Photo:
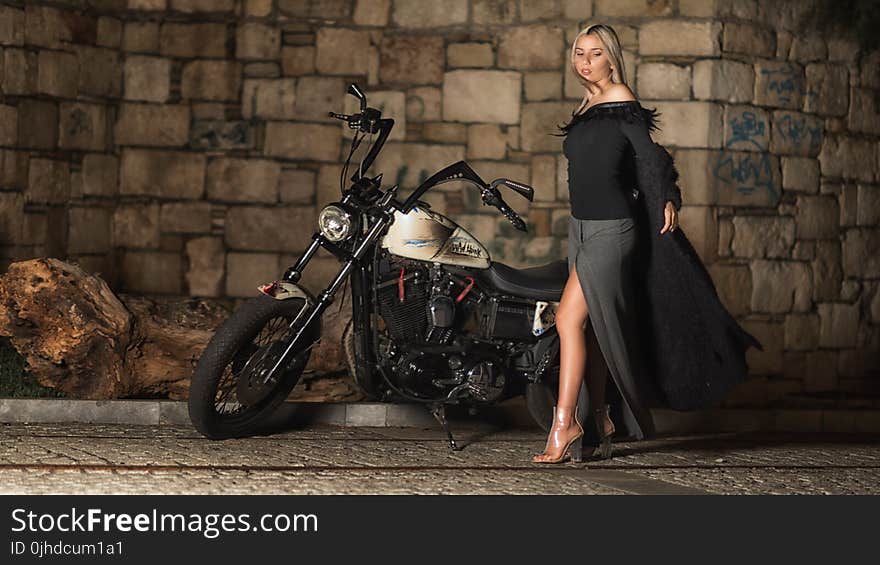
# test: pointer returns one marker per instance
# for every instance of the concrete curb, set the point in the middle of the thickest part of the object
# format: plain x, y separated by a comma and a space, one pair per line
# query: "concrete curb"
512, 412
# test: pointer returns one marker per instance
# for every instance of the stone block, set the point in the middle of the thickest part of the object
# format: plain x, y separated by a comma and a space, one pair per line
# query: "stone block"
746, 178
407, 163
371, 12
486, 141
12, 26
540, 86
8, 125
162, 174
141, 37
801, 332
444, 132
543, 178
494, 12
423, 104
46, 26
37, 124
100, 175
269, 98
482, 96
211, 80
19, 71
246, 271
795, 133
800, 174
88, 230
539, 124
779, 287
316, 142
193, 40
723, 80
270, 228
11, 213
734, 286
151, 272
147, 78
827, 270
48, 181
839, 325
411, 59
100, 72
200, 6
136, 226
206, 266
342, 51
109, 32
779, 84
748, 39
255, 40
677, 37
860, 257
315, 96
185, 217
763, 236
817, 217
297, 186
689, 124
417, 14
864, 111
746, 128
663, 81
633, 8
472, 54
841, 156
216, 134
82, 126
298, 60
152, 124
57, 74
13, 169
827, 89
243, 180
531, 47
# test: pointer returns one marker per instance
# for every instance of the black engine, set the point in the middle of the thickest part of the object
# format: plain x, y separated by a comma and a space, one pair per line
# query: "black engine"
448, 339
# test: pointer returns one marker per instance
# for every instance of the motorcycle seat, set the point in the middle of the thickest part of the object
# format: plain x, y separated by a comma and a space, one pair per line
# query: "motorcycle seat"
544, 282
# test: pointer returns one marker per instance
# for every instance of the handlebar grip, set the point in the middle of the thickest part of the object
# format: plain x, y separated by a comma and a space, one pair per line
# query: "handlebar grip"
524, 189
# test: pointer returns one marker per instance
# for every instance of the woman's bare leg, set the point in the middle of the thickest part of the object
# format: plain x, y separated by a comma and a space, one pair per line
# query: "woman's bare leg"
571, 316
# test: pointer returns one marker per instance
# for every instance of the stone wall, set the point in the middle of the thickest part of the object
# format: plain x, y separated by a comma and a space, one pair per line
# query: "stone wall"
182, 146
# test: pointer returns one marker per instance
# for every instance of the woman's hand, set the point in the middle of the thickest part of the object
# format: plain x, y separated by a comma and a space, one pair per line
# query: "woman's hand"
671, 215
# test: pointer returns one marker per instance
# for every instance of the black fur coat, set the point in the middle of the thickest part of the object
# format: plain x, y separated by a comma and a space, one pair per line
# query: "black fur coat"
694, 347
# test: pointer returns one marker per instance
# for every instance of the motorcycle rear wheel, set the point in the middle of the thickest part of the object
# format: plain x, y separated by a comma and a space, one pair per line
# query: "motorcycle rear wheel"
226, 398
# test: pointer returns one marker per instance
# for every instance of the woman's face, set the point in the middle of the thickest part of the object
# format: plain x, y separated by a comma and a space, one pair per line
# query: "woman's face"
590, 58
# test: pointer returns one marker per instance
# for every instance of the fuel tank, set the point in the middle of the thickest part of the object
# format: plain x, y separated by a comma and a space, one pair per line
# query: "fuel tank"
426, 235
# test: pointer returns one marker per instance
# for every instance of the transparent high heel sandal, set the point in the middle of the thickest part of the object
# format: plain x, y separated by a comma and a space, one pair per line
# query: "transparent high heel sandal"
574, 446
603, 450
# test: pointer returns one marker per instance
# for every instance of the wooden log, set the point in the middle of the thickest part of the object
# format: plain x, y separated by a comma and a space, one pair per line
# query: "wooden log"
78, 337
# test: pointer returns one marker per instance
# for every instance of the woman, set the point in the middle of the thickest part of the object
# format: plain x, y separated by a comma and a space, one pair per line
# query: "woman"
602, 245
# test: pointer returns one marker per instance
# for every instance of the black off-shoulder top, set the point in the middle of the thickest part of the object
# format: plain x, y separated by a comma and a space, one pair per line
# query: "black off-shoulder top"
600, 144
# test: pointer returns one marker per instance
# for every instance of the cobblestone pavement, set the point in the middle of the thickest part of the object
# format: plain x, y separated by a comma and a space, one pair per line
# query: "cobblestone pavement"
78, 459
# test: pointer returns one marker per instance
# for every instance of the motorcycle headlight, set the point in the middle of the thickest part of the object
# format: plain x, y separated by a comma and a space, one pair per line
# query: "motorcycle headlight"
335, 223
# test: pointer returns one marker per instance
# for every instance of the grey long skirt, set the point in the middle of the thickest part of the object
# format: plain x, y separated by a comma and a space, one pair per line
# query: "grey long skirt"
603, 252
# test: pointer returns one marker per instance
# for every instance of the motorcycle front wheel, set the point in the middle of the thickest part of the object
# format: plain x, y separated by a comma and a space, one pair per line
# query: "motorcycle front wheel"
228, 396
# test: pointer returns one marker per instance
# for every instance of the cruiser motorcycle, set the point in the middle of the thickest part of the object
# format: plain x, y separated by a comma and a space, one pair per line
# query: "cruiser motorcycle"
434, 320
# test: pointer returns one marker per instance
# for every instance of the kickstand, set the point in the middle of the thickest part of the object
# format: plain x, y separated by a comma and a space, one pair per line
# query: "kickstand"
439, 412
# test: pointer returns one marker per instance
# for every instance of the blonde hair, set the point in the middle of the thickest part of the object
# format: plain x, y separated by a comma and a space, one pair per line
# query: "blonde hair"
611, 42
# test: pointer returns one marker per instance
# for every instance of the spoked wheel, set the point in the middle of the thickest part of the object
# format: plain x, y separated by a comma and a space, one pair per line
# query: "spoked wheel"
229, 393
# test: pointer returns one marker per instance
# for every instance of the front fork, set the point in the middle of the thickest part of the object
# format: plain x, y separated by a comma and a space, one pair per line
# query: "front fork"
288, 287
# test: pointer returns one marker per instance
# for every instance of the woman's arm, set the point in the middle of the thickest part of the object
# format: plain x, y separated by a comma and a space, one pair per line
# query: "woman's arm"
644, 147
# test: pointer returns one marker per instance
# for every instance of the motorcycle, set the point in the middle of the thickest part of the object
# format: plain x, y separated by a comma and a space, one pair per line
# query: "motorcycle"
434, 320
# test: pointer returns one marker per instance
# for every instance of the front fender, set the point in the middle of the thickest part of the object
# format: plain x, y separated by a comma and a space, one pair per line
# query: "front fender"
284, 290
